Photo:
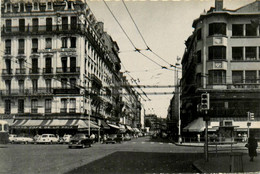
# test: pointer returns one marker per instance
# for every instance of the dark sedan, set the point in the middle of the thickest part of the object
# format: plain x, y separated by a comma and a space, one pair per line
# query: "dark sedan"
80, 140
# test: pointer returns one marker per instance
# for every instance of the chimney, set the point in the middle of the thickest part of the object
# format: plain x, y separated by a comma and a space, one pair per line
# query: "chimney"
219, 5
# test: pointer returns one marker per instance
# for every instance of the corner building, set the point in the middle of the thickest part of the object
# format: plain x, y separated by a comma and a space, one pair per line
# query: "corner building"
58, 67
222, 58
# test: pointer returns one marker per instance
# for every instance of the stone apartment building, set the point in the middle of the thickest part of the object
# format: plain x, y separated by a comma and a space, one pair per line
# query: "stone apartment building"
222, 58
58, 67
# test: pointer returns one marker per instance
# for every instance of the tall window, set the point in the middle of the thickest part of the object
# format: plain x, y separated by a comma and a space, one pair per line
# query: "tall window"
21, 7
8, 46
250, 77
237, 76
21, 46
8, 66
199, 56
8, 86
199, 34
8, 7
48, 106
73, 22
237, 53
49, 5
73, 64
64, 42
64, 83
217, 52
72, 105
35, 6
217, 29
64, 23
21, 86
251, 30
237, 30
7, 106
34, 45
8, 25
34, 106
48, 65
35, 85
20, 106
35, 23
72, 82
34, 66
73, 42
63, 108
64, 64
48, 24
21, 25
217, 77
198, 80
48, 43
250, 53
48, 85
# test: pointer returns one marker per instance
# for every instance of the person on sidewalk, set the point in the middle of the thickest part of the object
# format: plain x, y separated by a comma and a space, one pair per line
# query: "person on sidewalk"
252, 146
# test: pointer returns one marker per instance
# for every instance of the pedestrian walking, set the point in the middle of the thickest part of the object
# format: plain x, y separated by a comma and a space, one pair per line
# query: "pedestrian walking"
252, 146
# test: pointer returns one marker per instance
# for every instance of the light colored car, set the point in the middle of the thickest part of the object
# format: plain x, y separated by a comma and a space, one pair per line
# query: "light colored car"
48, 138
24, 140
12, 138
66, 138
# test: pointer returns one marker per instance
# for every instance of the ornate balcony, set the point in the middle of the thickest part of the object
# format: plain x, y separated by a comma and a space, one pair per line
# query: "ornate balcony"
20, 71
68, 70
34, 70
66, 91
27, 92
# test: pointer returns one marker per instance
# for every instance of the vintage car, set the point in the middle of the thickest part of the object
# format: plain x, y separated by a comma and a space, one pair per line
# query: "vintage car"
48, 138
80, 140
20, 139
115, 138
66, 138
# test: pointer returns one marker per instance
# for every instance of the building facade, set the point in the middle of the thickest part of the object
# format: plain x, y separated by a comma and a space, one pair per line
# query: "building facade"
222, 58
58, 64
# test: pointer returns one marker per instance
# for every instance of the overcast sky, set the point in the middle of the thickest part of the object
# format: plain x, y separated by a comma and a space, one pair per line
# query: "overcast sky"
165, 25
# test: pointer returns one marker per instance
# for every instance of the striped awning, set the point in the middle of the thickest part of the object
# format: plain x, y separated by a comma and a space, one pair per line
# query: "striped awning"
53, 124
113, 126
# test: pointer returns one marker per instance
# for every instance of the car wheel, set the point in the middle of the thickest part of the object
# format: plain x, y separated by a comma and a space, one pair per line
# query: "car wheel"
25, 142
50, 142
12, 142
90, 145
83, 146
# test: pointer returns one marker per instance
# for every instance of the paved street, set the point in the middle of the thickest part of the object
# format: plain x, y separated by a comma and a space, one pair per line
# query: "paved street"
139, 156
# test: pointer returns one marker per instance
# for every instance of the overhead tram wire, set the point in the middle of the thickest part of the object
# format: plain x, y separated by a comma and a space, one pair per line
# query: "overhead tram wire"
147, 47
135, 48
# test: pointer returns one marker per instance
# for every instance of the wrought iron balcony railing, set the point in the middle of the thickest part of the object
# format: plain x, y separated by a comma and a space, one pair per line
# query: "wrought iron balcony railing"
20, 71
68, 70
7, 71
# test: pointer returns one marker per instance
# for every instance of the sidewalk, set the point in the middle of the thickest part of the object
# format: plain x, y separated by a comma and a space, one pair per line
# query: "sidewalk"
221, 163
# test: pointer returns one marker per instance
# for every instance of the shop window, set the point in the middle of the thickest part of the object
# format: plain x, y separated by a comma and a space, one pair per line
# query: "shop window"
217, 77
250, 77
250, 53
217, 53
237, 30
237, 53
237, 77
251, 30
217, 29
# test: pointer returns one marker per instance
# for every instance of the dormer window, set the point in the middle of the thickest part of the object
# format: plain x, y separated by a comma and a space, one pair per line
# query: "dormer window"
8, 7
49, 6
21, 7
69, 5
36, 6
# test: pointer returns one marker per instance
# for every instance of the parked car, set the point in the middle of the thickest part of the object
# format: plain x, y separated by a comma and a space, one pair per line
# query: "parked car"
48, 138
66, 138
12, 138
22, 139
127, 138
80, 140
115, 138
